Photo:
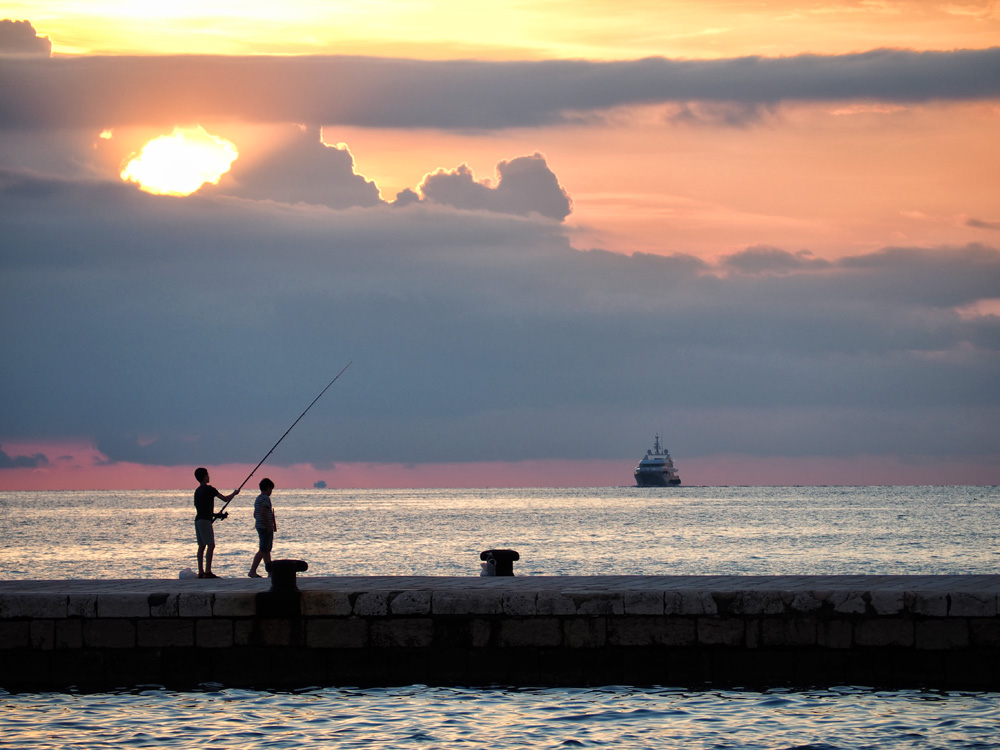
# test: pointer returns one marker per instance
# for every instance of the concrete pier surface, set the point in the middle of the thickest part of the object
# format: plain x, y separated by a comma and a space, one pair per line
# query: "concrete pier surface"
693, 631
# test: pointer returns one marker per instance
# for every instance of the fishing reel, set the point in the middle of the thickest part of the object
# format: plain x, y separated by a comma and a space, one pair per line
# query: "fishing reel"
221, 516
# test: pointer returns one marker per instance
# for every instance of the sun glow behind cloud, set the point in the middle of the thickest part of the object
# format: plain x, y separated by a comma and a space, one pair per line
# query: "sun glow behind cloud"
180, 163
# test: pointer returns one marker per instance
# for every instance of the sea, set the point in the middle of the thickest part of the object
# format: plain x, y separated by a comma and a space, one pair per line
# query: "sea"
581, 531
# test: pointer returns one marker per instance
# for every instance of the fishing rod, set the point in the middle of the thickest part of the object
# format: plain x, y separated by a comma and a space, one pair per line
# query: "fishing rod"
222, 514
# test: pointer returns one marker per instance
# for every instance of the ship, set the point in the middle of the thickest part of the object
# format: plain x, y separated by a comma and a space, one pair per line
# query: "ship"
656, 469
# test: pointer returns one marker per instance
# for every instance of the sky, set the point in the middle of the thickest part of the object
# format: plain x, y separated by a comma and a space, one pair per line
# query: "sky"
540, 234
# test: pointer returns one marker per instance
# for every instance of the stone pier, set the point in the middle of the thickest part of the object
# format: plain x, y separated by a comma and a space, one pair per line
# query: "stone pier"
691, 631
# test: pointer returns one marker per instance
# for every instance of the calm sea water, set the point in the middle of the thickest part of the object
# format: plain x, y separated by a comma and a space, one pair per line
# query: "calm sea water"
617, 530
622, 530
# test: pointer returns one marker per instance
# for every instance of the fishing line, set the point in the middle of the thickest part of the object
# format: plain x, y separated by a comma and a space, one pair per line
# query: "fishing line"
220, 515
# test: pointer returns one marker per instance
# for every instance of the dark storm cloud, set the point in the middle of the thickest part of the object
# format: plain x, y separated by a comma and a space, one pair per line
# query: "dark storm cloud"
188, 331
377, 92
20, 38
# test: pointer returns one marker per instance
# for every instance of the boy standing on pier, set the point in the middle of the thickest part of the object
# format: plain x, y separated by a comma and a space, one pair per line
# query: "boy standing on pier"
266, 525
204, 504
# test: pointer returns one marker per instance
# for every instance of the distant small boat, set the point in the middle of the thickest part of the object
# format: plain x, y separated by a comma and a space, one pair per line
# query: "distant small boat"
656, 469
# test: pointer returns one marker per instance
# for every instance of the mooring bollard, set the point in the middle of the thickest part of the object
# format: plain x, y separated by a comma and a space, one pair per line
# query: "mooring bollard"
283, 575
283, 599
502, 561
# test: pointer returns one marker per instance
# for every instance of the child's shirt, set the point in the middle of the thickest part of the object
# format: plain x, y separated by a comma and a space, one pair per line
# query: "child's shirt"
263, 514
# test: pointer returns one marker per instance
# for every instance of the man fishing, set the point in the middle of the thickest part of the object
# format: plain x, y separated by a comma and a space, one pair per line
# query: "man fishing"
204, 497
205, 515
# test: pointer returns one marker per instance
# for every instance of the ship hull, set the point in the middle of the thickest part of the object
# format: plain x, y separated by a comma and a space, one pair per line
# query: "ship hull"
656, 480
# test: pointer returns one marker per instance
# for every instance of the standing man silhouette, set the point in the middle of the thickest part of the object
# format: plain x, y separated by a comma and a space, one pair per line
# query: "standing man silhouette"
204, 503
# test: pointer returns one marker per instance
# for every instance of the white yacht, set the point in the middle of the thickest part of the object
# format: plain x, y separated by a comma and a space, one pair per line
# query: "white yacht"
656, 469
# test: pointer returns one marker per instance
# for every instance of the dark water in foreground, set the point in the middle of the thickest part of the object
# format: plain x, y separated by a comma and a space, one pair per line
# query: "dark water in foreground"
423, 717
751, 531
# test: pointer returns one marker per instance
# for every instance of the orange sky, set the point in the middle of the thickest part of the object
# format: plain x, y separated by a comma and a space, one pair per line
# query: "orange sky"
700, 188
510, 29
639, 186
636, 185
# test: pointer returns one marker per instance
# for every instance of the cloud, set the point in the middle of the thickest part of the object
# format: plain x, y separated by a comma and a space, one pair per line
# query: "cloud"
772, 260
100, 92
406, 197
983, 224
525, 185
22, 462
20, 38
206, 324
716, 114
305, 170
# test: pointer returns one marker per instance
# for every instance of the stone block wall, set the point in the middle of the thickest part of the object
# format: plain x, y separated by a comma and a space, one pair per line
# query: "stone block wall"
508, 633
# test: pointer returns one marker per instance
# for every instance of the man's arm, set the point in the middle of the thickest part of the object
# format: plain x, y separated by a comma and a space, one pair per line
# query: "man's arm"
220, 515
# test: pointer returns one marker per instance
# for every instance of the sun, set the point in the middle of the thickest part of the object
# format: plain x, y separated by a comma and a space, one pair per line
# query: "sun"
180, 163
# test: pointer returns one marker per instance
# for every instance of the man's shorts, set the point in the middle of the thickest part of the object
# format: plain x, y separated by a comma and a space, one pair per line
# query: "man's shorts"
204, 532
266, 540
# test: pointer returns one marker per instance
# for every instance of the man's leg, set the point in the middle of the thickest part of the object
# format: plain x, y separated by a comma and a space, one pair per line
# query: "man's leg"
201, 560
256, 561
266, 543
